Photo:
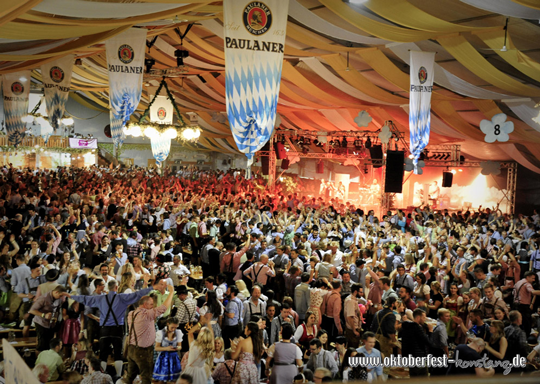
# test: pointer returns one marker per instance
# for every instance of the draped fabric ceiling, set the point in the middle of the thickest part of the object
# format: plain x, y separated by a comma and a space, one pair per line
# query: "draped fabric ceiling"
340, 58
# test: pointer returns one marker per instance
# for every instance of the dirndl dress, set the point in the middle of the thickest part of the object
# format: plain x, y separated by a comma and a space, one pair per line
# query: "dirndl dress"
168, 367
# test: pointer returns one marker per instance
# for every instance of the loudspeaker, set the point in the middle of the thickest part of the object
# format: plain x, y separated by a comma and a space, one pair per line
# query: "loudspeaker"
447, 178
281, 153
376, 154
285, 164
393, 181
265, 165
320, 167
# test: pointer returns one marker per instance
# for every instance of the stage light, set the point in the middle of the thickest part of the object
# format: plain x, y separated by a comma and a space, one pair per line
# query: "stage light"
365, 169
344, 143
78, 62
453, 171
358, 144
460, 170
396, 138
317, 143
149, 63
368, 143
300, 140
411, 156
180, 55
307, 141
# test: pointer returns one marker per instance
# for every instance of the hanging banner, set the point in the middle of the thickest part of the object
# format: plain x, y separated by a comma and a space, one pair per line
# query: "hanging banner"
420, 102
125, 62
161, 143
15, 368
83, 143
56, 83
254, 45
161, 111
16, 95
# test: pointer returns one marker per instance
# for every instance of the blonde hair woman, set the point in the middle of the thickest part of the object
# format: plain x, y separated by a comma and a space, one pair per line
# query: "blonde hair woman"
201, 353
219, 351
126, 283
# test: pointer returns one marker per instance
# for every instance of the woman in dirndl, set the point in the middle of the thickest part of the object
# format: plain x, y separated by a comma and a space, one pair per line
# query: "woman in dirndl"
168, 343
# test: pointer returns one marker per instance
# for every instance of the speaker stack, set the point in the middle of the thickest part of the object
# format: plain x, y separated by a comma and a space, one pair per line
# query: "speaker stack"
393, 182
447, 178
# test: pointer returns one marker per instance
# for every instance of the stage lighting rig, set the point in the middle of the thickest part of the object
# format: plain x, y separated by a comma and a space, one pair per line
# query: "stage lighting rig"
368, 143
148, 64
358, 144
344, 143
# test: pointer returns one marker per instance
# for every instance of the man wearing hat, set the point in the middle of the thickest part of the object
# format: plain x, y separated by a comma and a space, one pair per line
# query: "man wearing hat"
51, 276
384, 326
27, 290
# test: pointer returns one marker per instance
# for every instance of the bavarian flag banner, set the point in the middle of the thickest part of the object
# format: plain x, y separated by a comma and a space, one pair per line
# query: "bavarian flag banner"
125, 62
161, 110
254, 44
56, 83
420, 102
16, 94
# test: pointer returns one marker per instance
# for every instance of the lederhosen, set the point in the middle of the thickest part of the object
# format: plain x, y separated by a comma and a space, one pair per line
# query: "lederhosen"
259, 307
110, 332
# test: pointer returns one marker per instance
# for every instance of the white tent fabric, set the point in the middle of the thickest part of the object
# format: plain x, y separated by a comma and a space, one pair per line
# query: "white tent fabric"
169, 50
506, 8
325, 73
206, 89
76, 8
516, 154
306, 17
526, 112
445, 78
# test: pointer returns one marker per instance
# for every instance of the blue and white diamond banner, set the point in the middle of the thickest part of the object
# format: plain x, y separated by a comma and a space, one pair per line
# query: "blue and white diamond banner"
254, 45
125, 62
56, 83
16, 94
420, 102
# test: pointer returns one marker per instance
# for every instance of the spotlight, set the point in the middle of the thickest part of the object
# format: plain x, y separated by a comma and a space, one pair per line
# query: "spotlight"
78, 62
396, 138
317, 143
460, 170
180, 55
149, 63
344, 143
411, 156
368, 143
424, 155
453, 171
307, 141
300, 140
365, 169
358, 144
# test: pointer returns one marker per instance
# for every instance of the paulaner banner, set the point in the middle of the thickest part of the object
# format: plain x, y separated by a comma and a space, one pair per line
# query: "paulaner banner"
125, 62
254, 45
420, 102
16, 93
161, 111
56, 83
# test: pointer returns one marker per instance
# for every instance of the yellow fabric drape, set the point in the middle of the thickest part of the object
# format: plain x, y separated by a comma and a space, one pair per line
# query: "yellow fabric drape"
196, 50
404, 13
490, 109
311, 39
384, 67
212, 82
32, 31
11, 9
46, 18
375, 28
81, 100
357, 80
67, 48
218, 126
291, 74
467, 55
528, 3
519, 60
219, 53
447, 113
387, 69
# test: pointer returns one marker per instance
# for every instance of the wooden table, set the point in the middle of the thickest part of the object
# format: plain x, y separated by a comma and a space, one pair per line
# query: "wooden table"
8, 330
24, 342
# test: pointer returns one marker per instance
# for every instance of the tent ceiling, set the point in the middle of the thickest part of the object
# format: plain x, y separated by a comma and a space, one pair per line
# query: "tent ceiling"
318, 93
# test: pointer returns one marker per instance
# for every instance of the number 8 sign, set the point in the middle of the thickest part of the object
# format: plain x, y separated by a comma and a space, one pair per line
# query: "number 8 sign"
497, 129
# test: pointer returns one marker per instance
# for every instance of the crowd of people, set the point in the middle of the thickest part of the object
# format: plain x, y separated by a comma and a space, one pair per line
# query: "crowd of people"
105, 265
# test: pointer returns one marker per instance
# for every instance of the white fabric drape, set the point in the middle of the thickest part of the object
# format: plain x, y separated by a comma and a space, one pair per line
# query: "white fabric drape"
206, 89
329, 77
526, 112
505, 7
447, 79
516, 154
93, 10
311, 20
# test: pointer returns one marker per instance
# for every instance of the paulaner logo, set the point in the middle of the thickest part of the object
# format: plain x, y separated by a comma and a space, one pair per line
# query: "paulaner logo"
257, 18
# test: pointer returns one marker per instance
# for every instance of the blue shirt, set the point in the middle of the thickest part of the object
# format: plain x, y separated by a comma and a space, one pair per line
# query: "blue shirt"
374, 353
234, 306
119, 307
18, 275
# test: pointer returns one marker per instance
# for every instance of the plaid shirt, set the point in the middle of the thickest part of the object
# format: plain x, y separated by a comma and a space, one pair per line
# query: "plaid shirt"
97, 378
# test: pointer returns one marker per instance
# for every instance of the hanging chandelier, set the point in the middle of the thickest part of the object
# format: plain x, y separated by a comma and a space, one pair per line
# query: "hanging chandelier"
180, 131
